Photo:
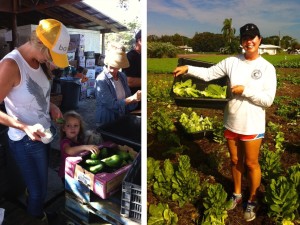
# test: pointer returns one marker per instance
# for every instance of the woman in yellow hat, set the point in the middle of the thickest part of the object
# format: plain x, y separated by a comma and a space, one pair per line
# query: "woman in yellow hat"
25, 90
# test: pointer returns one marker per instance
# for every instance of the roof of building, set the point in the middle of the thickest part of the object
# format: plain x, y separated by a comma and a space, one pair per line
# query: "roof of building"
72, 13
268, 46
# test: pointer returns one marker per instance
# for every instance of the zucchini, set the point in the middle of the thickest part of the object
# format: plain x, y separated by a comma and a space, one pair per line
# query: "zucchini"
114, 161
125, 155
92, 161
103, 153
94, 156
97, 168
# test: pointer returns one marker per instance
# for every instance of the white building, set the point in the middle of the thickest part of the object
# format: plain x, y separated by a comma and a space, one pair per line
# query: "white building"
186, 48
269, 49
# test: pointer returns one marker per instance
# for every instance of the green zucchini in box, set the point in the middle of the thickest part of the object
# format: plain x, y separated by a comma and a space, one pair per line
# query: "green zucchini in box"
101, 155
114, 161
97, 168
107, 160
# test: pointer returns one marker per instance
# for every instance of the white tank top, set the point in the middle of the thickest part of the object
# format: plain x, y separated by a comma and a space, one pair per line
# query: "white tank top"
29, 101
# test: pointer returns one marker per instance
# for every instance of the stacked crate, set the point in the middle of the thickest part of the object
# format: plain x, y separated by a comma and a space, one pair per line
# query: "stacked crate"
131, 204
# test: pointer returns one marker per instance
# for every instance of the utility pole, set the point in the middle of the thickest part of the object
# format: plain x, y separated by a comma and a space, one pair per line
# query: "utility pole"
279, 40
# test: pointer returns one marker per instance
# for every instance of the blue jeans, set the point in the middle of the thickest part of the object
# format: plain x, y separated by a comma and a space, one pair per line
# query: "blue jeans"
32, 159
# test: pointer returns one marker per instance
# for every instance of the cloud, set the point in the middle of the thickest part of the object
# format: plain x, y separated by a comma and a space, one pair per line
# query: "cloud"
271, 16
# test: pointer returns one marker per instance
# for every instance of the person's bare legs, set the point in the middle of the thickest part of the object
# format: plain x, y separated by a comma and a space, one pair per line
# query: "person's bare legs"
237, 163
251, 149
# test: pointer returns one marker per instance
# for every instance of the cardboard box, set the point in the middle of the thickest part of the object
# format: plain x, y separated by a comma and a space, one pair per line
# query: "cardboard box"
91, 83
90, 63
81, 61
89, 54
102, 184
72, 47
71, 56
80, 50
91, 74
81, 191
78, 39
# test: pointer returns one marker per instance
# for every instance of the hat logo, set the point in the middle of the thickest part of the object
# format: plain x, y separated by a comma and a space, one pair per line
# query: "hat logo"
256, 74
62, 48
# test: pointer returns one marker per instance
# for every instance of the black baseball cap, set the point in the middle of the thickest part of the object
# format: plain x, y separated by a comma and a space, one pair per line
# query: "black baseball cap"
249, 30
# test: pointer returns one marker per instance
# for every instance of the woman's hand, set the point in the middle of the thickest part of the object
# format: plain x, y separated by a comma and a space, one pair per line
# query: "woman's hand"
237, 89
34, 132
55, 112
180, 70
136, 97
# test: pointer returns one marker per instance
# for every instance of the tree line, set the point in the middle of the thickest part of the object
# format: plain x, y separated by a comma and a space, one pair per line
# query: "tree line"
225, 42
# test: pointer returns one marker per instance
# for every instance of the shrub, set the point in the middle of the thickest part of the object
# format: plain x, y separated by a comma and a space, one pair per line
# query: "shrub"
161, 50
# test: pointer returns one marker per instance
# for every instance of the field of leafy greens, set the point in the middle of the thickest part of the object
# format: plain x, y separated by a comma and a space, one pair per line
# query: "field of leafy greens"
188, 174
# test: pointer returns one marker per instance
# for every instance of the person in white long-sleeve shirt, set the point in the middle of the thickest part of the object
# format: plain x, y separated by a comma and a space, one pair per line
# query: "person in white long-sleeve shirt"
253, 86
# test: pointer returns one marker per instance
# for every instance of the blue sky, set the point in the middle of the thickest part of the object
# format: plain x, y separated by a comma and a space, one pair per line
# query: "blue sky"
186, 17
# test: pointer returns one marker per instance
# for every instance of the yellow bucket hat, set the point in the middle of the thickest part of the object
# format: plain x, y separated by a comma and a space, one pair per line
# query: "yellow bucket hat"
54, 35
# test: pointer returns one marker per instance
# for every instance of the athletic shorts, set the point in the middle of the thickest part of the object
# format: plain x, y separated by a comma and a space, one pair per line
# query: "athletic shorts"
231, 135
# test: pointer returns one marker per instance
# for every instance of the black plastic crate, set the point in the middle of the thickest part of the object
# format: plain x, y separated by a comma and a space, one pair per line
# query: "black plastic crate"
201, 102
131, 205
124, 131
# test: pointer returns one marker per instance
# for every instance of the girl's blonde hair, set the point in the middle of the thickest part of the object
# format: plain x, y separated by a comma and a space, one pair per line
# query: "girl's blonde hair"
73, 114
36, 43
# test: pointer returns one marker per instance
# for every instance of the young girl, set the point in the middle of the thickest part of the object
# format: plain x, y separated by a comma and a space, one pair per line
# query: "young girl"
72, 139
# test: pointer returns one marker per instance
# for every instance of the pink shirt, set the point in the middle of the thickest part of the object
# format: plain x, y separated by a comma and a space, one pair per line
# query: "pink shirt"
64, 155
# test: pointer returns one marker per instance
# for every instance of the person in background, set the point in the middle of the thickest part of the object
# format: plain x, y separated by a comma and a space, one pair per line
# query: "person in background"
25, 88
72, 139
113, 96
253, 85
133, 72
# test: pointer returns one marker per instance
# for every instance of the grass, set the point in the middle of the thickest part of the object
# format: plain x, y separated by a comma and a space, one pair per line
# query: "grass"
167, 65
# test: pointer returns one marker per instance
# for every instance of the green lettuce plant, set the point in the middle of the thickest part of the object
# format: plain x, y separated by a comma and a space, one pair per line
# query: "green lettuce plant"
282, 199
215, 205
161, 214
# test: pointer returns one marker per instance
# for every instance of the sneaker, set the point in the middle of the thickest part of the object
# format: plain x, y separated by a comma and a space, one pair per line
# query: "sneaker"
250, 214
234, 201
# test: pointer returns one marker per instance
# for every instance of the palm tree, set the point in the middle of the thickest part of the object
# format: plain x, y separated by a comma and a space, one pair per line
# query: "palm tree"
228, 30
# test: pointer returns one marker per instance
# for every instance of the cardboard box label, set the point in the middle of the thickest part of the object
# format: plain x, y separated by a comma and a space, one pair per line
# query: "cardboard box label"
90, 63
86, 180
